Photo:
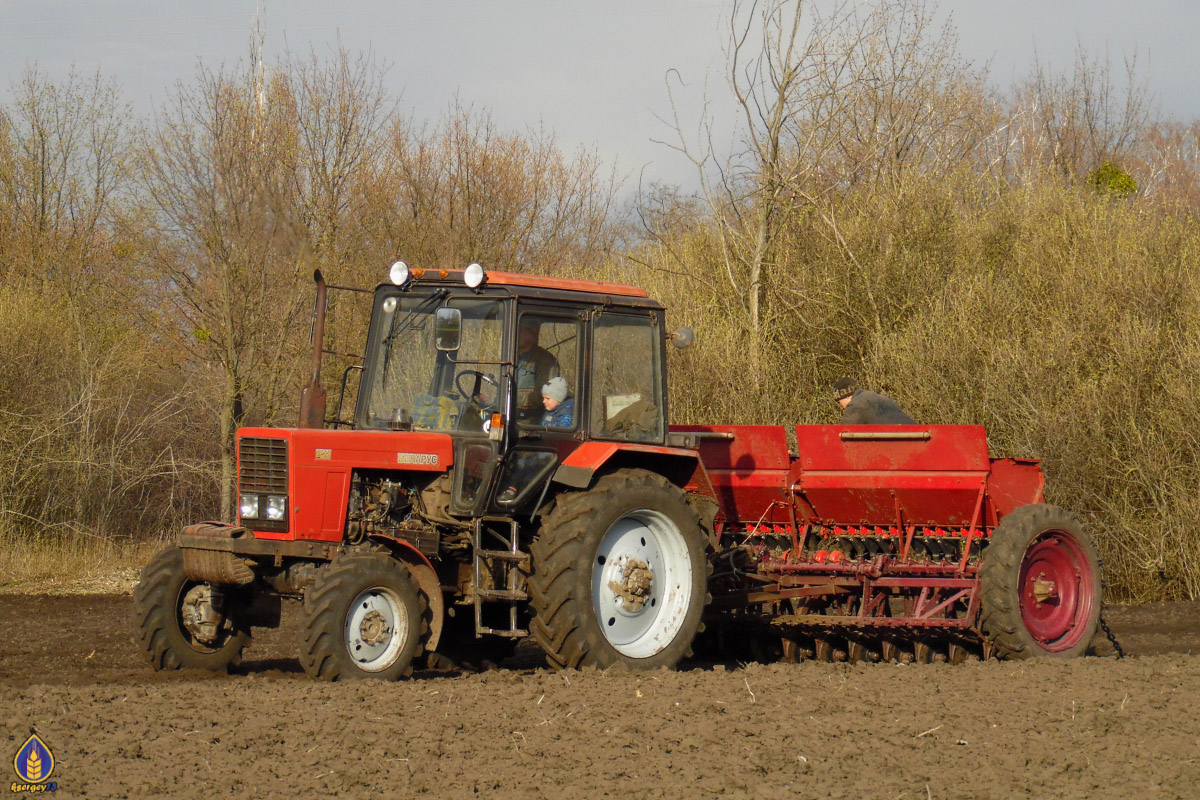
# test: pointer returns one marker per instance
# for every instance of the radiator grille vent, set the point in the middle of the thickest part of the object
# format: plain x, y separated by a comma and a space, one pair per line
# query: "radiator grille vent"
264, 465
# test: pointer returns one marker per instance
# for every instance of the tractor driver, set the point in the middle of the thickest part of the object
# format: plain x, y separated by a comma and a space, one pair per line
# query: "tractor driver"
535, 366
864, 407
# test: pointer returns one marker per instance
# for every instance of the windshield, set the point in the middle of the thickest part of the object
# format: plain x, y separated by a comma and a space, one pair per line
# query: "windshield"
410, 381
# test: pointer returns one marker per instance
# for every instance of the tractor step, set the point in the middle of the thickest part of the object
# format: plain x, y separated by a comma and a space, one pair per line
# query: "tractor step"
509, 595
500, 568
504, 633
502, 555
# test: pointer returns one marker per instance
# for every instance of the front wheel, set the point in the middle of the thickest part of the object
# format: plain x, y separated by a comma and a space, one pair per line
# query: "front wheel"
619, 575
363, 618
182, 623
1040, 585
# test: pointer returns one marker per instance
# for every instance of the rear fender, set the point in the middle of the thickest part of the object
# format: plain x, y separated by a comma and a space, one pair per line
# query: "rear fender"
679, 465
427, 581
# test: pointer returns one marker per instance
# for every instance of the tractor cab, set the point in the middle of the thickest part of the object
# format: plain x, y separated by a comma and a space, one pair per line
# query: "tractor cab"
468, 353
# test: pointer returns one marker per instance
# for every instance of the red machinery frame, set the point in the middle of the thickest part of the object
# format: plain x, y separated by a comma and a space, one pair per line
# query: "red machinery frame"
873, 528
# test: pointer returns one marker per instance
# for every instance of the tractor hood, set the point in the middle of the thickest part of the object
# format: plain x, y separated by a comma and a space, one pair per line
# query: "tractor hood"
293, 482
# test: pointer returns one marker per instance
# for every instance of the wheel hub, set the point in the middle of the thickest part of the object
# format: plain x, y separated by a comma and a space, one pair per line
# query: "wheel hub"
637, 580
201, 614
373, 628
1043, 589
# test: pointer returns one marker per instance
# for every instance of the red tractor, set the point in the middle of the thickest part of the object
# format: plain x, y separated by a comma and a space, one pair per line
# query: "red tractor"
460, 510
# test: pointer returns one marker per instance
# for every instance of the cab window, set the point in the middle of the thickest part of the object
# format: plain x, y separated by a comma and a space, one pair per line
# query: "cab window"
626, 378
548, 371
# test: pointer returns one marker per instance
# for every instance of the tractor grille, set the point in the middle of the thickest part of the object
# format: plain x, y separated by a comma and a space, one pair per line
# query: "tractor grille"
264, 465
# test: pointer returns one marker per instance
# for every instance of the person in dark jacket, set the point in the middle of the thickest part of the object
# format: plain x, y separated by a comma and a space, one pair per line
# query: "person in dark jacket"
864, 407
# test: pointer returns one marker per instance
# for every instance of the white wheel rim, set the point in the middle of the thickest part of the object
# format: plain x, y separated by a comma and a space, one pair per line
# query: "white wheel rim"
642, 547
376, 628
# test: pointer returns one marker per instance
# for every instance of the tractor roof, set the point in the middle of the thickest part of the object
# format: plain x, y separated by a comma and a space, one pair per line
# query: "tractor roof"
568, 284
417, 277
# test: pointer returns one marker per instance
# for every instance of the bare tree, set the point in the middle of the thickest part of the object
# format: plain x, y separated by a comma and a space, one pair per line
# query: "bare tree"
342, 111
827, 102
1168, 163
464, 190
90, 422
217, 170
1073, 121
63, 152
255, 178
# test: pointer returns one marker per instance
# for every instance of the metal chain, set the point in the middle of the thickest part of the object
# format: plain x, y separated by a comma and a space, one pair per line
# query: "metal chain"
1108, 632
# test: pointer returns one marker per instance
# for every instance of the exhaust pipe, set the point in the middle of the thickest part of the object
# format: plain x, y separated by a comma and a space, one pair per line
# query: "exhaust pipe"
312, 398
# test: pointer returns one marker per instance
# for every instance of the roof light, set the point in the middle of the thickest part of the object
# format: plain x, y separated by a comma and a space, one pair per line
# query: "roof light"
399, 273
473, 276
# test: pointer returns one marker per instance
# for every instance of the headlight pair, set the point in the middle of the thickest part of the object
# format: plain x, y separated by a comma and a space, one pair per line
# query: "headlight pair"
263, 506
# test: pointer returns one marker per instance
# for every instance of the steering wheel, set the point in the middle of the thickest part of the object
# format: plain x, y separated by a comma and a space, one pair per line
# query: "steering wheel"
473, 395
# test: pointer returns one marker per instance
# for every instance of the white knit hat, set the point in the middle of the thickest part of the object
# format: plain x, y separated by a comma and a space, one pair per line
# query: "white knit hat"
556, 389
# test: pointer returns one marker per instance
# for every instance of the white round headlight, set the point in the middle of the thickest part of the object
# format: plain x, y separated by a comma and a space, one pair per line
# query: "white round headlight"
399, 273
473, 276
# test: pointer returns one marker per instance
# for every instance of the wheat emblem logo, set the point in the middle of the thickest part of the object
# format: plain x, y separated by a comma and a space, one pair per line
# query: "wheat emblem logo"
34, 762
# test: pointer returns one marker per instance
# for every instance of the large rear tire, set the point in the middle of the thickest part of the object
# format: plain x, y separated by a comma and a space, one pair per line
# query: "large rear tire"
363, 618
163, 602
619, 575
1041, 588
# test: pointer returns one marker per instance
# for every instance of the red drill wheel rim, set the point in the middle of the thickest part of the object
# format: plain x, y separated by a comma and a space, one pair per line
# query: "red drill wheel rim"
1057, 597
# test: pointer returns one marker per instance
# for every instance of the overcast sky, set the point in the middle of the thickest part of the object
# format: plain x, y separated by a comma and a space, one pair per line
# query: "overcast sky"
593, 72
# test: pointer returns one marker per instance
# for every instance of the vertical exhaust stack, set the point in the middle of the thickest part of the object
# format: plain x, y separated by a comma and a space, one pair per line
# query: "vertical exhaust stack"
312, 398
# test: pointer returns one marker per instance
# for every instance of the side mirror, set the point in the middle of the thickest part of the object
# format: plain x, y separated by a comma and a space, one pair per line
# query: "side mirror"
683, 338
447, 329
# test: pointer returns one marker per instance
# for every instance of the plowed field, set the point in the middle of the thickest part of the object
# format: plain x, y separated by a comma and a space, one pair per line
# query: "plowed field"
1090, 728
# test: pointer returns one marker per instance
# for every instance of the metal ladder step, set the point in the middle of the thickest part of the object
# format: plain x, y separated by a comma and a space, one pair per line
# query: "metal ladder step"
505, 632
488, 561
503, 555
508, 595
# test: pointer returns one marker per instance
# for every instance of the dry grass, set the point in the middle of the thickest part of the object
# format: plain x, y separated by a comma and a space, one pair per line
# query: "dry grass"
70, 564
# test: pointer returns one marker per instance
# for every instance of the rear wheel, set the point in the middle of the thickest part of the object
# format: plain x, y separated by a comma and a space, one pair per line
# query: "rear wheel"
363, 618
619, 575
1040, 585
182, 623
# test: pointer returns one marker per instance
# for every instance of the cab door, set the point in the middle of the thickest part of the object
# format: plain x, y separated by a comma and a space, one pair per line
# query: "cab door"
549, 403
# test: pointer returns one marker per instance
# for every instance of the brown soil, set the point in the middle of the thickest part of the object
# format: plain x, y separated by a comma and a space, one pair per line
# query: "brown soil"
1090, 728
